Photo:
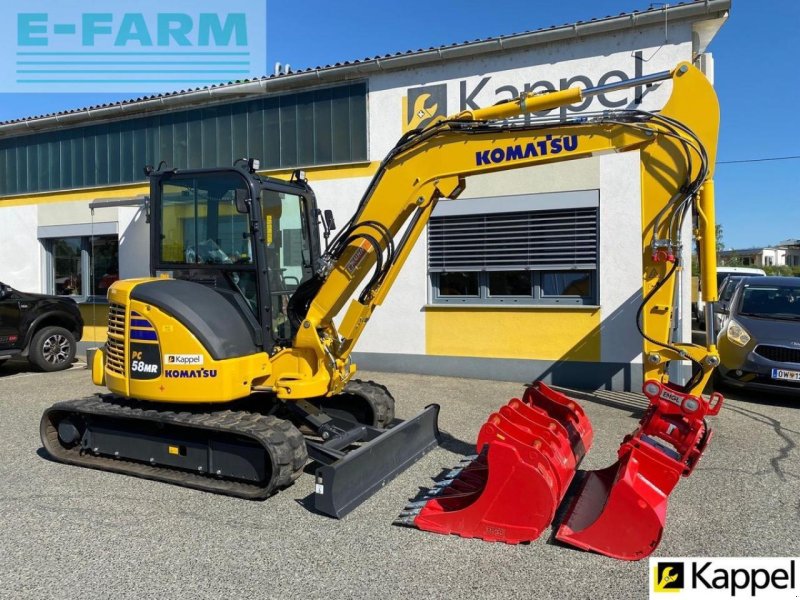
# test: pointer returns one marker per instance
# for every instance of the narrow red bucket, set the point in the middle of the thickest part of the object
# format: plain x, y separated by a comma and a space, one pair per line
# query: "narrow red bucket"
620, 511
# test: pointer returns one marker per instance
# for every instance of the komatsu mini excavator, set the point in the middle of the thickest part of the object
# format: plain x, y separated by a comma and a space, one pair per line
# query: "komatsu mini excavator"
225, 370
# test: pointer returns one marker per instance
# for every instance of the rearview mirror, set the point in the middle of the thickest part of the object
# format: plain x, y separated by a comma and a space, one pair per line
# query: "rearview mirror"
5, 290
242, 196
329, 219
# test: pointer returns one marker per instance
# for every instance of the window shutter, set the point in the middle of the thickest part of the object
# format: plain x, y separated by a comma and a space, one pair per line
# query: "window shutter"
535, 240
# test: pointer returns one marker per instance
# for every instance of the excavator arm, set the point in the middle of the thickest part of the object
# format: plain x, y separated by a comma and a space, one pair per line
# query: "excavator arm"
677, 147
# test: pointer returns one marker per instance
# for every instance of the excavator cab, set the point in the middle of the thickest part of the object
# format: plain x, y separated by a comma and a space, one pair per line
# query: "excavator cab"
253, 239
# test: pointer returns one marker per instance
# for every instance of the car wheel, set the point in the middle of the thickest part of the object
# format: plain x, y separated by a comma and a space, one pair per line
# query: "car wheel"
52, 349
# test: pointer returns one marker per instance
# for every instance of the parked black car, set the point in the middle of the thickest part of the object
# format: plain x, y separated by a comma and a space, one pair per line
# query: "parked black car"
759, 343
44, 329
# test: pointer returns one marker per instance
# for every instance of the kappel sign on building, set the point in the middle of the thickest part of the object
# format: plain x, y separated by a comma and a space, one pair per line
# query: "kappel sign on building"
133, 47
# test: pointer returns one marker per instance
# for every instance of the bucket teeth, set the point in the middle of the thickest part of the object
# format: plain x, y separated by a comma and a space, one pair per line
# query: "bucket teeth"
404, 521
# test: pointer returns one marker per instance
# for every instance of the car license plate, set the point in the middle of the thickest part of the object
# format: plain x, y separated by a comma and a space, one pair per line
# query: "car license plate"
787, 375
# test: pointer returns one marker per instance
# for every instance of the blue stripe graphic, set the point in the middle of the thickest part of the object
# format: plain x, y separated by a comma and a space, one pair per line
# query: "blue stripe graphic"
216, 81
143, 335
133, 62
133, 54
153, 71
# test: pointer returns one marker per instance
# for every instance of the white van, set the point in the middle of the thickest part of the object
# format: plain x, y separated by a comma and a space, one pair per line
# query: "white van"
722, 273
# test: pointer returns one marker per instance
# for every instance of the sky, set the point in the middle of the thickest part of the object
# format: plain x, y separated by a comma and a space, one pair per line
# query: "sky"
756, 54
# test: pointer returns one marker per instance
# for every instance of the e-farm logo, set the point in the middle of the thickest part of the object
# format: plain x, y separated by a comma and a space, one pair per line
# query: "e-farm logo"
723, 578
127, 46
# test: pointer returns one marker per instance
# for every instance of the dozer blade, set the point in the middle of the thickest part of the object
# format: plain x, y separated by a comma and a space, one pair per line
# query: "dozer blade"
528, 452
620, 511
344, 484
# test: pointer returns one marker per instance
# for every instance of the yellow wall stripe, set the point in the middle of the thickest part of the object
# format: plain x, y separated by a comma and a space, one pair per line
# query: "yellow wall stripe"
367, 169
114, 192
541, 333
95, 322
330, 172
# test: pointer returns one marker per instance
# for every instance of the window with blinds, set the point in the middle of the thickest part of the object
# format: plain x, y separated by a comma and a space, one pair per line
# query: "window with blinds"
524, 257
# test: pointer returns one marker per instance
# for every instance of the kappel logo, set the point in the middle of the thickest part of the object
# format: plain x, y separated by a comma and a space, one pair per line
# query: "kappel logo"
668, 577
725, 578
136, 47
421, 104
183, 359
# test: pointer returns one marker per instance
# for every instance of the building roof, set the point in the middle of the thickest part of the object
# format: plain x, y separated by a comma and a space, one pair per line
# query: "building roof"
753, 250
697, 10
784, 245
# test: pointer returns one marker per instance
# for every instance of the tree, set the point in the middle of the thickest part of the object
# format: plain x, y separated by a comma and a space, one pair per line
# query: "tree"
718, 233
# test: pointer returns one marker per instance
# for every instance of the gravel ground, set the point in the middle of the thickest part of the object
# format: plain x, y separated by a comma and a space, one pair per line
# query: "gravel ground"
72, 532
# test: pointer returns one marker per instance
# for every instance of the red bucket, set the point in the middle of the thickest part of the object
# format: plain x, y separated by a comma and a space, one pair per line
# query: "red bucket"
528, 453
620, 511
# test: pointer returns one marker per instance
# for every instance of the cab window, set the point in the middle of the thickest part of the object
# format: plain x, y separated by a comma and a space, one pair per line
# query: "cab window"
199, 221
286, 235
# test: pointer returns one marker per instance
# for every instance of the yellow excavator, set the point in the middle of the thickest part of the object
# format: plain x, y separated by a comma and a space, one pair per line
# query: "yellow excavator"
225, 371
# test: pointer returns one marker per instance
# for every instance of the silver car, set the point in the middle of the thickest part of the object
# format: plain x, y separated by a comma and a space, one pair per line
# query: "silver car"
726, 290
759, 343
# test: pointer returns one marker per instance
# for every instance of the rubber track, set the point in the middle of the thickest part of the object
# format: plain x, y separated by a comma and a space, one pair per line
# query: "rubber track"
283, 442
378, 397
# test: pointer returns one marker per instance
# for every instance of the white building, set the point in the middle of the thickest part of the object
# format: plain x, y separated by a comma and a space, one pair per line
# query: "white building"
575, 322
783, 254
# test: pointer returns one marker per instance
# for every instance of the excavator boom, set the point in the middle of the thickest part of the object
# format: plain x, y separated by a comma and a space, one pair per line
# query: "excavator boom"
677, 148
